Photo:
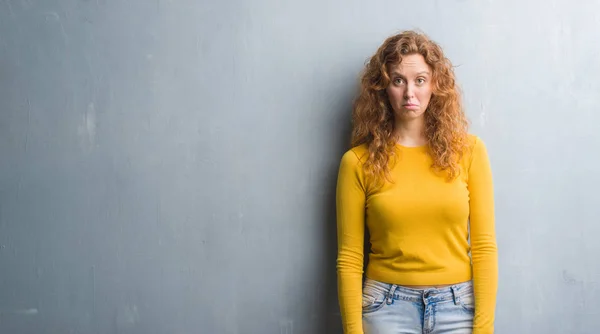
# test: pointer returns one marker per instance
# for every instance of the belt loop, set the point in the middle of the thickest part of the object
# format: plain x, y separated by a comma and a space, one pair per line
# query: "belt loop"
455, 297
391, 293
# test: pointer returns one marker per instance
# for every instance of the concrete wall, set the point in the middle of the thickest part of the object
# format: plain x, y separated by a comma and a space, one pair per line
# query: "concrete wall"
169, 166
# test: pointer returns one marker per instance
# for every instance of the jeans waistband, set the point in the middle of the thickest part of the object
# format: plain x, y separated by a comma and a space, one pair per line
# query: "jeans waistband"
452, 292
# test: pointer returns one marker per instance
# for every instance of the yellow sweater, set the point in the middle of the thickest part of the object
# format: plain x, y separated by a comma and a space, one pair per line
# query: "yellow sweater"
419, 229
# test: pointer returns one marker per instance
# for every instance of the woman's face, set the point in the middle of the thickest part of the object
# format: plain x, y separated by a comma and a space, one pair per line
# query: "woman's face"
410, 88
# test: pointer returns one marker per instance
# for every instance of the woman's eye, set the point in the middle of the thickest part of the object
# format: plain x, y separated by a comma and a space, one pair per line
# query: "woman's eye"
421, 81
398, 81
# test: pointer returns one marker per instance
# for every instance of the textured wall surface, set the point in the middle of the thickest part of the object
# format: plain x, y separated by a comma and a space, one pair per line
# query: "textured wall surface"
169, 166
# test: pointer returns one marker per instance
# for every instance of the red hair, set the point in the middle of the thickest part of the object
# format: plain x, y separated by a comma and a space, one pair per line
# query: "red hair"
446, 126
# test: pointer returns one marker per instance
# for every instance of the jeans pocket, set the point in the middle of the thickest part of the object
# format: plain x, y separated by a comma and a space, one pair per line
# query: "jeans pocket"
467, 302
373, 298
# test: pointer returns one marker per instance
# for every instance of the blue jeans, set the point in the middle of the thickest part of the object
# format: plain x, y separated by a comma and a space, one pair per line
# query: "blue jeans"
389, 308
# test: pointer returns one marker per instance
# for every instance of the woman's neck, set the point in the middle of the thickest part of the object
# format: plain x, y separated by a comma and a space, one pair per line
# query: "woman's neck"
410, 132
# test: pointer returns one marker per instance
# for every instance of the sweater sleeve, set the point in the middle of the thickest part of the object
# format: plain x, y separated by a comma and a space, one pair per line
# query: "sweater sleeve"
484, 251
350, 212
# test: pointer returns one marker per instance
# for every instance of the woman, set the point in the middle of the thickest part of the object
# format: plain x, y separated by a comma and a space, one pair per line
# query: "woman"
423, 187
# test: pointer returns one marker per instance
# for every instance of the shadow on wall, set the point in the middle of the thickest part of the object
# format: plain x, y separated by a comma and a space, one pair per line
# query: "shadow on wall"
329, 320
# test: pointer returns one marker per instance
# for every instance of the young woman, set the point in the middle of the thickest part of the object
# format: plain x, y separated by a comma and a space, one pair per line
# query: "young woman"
422, 185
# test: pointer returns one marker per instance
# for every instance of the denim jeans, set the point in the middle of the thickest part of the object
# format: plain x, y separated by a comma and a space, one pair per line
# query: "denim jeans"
392, 309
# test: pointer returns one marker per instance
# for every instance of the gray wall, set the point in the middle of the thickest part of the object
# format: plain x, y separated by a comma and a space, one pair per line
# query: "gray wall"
169, 166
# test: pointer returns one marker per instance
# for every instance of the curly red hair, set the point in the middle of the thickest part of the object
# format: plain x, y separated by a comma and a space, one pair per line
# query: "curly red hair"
446, 126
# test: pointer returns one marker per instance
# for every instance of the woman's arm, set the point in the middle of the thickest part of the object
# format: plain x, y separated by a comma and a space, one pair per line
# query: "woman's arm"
484, 252
350, 207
